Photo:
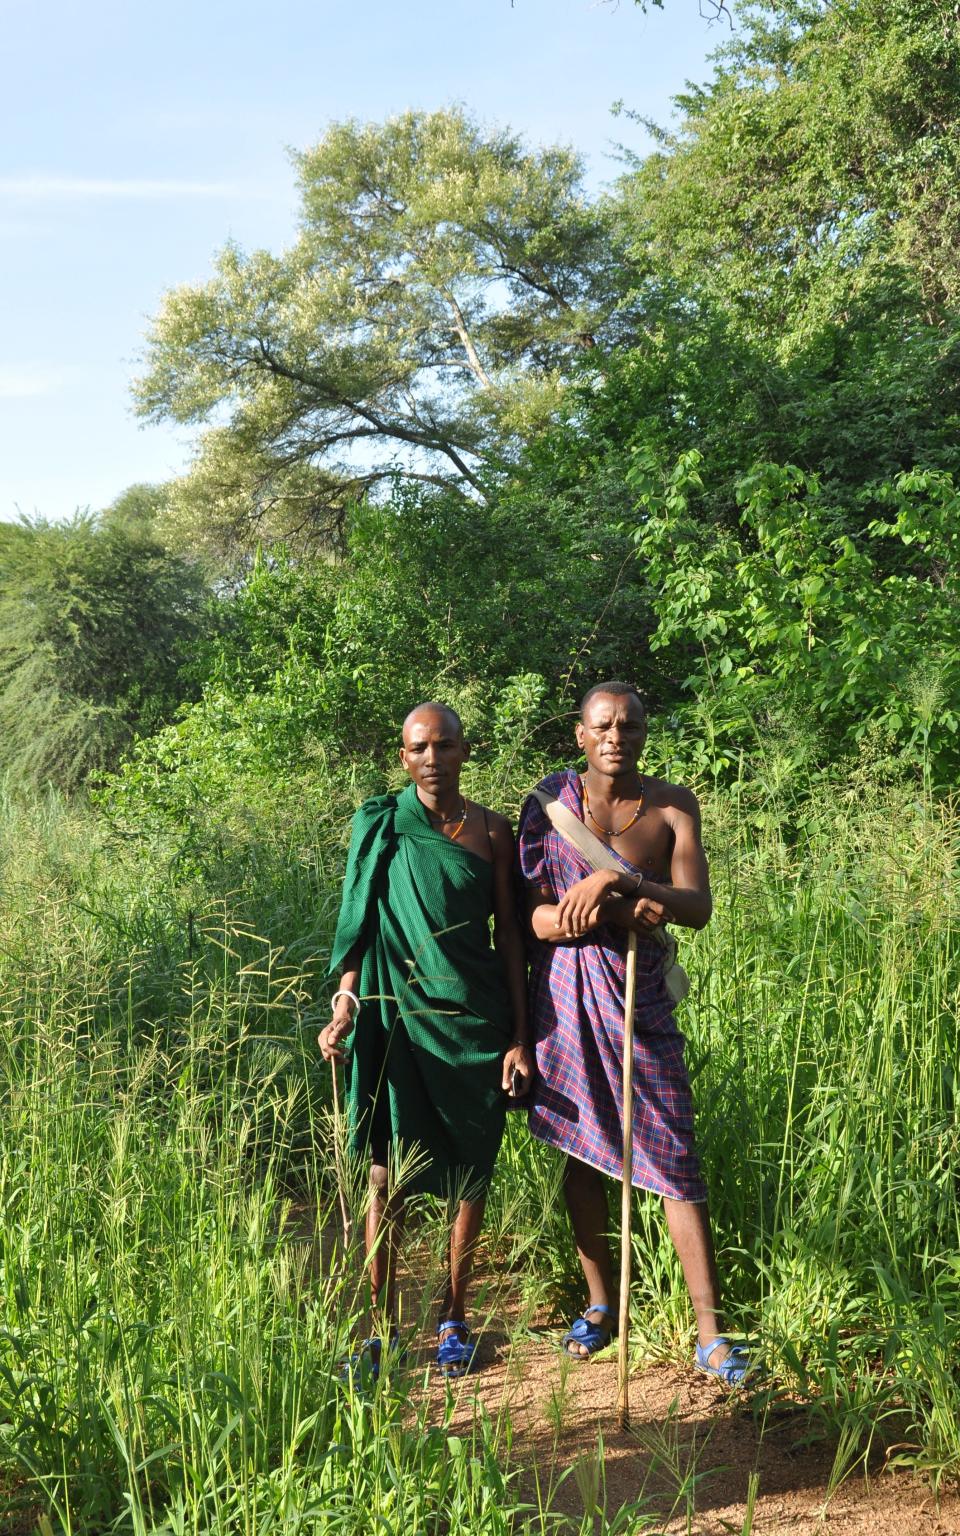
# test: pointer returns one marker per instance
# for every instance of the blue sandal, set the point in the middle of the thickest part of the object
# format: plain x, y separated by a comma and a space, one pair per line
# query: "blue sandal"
456, 1352
363, 1368
591, 1335
733, 1369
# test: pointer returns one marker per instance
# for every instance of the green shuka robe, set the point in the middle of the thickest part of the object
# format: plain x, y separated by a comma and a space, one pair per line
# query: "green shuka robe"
434, 1019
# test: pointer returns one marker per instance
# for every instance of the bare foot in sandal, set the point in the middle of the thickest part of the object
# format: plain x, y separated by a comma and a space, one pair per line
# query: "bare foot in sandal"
590, 1333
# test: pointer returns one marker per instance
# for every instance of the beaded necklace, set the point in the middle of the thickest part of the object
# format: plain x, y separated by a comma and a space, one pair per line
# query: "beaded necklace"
444, 819
610, 831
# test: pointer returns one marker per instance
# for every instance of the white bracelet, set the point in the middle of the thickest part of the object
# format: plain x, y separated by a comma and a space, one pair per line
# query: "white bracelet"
345, 992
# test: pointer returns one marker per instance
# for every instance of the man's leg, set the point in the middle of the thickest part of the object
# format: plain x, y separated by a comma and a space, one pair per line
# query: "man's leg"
689, 1226
586, 1197
455, 1350
384, 1227
463, 1243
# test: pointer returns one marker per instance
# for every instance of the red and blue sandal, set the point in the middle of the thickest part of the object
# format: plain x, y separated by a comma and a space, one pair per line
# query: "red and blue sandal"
456, 1351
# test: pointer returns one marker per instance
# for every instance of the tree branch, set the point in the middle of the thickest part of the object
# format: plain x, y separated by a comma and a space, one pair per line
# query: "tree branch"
549, 291
460, 326
393, 429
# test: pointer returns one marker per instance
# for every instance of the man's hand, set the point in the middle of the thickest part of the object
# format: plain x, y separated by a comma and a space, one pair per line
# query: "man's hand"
579, 908
651, 914
518, 1059
340, 1026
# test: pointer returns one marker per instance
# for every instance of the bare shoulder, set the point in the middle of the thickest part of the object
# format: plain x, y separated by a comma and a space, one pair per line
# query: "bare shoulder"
501, 831
676, 801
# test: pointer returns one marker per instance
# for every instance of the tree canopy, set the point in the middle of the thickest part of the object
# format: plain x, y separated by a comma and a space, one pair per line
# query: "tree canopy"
783, 436
703, 430
816, 178
444, 280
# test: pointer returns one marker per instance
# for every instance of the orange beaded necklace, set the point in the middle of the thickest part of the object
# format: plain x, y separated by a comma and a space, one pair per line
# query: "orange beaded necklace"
610, 831
444, 819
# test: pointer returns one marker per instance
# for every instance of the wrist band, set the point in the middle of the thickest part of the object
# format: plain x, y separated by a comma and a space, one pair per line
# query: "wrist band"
345, 992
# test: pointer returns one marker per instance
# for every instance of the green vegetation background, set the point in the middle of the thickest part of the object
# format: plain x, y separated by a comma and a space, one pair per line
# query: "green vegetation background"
482, 437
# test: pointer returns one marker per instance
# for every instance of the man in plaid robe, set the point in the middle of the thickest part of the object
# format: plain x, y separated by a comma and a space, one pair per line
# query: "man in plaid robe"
580, 919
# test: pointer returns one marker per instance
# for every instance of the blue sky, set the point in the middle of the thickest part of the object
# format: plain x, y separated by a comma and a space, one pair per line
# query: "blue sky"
136, 140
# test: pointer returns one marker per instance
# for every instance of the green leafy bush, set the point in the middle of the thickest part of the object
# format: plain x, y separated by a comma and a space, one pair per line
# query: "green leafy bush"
98, 622
788, 612
502, 614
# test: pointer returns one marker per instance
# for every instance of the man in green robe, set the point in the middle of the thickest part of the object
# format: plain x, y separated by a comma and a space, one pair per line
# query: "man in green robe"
438, 1016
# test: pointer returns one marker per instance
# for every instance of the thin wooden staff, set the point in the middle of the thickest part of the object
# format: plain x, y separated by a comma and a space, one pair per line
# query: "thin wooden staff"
338, 1155
626, 1204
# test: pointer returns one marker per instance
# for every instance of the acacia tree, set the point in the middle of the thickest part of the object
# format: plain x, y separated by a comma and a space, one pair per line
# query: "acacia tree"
422, 325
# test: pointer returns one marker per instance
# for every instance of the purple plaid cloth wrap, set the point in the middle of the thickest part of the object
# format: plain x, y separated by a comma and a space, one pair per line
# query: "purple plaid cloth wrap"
576, 1011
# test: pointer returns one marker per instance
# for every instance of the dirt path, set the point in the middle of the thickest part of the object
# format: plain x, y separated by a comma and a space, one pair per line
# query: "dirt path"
687, 1459
689, 1452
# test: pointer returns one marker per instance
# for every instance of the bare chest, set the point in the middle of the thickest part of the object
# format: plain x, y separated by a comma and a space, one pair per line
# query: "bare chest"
472, 832
647, 842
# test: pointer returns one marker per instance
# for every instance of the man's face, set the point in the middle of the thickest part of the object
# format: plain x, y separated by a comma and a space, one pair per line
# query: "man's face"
433, 751
612, 732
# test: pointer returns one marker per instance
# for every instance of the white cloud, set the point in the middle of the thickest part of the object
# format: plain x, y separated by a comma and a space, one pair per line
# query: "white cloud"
48, 188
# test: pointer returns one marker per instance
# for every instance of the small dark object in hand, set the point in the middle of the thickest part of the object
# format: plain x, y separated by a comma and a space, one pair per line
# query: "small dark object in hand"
517, 1080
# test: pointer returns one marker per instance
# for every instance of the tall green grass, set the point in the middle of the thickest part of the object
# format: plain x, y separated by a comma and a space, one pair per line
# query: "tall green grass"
824, 1031
175, 1309
171, 1324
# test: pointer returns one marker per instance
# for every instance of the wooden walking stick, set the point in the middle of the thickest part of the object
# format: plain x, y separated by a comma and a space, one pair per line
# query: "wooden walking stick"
338, 1156
626, 1205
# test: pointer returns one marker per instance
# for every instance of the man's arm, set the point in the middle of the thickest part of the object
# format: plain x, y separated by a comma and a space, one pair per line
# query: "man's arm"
509, 946
579, 909
687, 899
607, 897
341, 1022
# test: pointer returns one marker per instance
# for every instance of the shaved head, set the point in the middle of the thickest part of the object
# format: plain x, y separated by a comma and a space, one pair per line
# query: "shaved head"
420, 713
615, 690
